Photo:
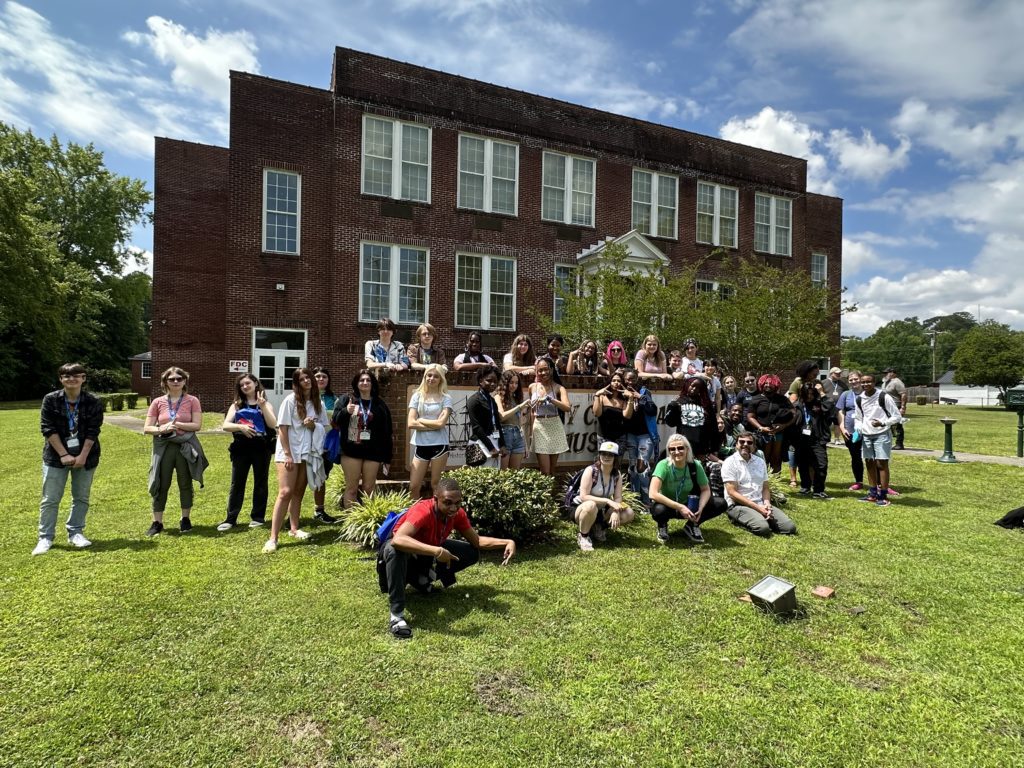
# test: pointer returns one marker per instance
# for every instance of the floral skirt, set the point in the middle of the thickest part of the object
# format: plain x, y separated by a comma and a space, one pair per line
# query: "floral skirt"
549, 436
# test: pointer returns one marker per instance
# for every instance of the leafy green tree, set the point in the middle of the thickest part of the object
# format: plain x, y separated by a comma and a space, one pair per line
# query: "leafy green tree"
902, 344
948, 331
990, 355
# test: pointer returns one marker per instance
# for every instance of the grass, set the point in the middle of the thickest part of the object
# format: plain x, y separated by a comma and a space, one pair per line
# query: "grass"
990, 431
200, 651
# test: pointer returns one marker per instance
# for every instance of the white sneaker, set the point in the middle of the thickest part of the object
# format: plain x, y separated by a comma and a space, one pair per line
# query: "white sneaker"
225, 526
586, 545
79, 541
42, 546
270, 547
299, 534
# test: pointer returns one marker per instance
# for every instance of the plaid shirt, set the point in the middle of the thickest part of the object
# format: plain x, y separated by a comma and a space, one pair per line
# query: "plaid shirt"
53, 420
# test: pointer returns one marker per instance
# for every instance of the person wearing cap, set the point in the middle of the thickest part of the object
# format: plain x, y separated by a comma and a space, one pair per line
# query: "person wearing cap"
680, 490
897, 390
599, 503
833, 387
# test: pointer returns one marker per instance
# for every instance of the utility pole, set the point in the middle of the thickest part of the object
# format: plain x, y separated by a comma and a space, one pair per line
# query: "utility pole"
933, 333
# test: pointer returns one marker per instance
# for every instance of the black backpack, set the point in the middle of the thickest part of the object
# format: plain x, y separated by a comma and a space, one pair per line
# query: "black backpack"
572, 488
882, 397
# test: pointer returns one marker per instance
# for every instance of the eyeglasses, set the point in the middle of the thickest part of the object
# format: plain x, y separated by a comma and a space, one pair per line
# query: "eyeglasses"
606, 455
744, 442
749, 381
680, 449
174, 379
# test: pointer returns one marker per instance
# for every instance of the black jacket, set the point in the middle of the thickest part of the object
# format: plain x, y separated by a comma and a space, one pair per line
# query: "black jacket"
482, 420
53, 420
380, 445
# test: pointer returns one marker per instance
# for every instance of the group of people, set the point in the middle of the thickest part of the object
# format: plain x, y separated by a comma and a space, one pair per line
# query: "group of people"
729, 438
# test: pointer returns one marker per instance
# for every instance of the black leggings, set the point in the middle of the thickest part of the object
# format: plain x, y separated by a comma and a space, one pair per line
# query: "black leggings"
662, 514
856, 462
811, 456
252, 454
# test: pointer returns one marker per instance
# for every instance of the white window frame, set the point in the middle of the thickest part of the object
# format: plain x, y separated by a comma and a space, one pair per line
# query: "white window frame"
823, 282
146, 369
394, 278
488, 174
397, 127
724, 291
485, 294
716, 216
657, 181
773, 244
298, 211
570, 273
567, 191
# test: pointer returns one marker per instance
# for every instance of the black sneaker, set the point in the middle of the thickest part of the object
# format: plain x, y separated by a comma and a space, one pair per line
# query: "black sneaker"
804, 491
323, 517
663, 534
185, 525
692, 532
155, 529
822, 495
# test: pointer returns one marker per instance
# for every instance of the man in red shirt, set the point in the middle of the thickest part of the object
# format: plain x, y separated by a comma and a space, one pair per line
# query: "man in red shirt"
420, 552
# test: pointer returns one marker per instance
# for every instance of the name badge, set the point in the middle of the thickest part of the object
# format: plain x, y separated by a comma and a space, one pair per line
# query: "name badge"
364, 435
807, 431
73, 442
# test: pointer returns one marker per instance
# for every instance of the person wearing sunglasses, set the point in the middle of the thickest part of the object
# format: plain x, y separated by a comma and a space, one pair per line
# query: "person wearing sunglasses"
680, 490
748, 493
599, 504
173, 420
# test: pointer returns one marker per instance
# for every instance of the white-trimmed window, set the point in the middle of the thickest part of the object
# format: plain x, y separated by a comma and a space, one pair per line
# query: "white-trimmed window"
819, 269
282, 197
147, 370
655, 206
488, 175
396, 159
393, 283
566, 276
485, 292
717, 214
773, 224
567, 189
713, 286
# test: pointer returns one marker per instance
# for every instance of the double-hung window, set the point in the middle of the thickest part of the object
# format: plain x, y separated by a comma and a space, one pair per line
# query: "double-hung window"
567, 189
488, 175
565, 283
485, 292
147, 370
819, 269
393, 283
717, 214
773, 224
654, 203
724, 292
282, 195
396, 159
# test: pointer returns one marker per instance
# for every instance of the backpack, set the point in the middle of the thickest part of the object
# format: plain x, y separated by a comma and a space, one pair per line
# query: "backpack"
572, 488
882, 397
385, 528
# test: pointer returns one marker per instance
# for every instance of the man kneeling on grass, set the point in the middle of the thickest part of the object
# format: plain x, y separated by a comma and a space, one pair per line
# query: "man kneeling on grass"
749, 495
419, 551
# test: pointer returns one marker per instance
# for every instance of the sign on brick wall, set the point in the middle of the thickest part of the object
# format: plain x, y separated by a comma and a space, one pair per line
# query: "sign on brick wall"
238, 366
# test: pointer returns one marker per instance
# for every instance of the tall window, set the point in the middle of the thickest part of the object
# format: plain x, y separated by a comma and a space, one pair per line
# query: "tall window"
654, 203
567, 189
485, 292
717, 214
565, 282
396, 159
724, 292
147, 370
393, 283
488, 175
819, 269
773, 223
281, 197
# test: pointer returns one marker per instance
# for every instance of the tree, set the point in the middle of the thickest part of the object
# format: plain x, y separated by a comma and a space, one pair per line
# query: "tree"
947, 331
899, 343
990, 355
65, 221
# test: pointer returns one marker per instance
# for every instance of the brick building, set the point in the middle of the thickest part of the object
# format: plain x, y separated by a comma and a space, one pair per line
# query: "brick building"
426, 196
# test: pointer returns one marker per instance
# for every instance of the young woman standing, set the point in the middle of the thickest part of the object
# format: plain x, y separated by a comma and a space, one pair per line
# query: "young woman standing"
511, 407
650, 362
322, 377
520, 356
367, 435
485, 419
547, 398
302, 423
613, 408
247, 421
585, 361
429, 411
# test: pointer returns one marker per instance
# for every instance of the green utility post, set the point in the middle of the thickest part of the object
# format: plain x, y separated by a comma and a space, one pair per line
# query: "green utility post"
947, 456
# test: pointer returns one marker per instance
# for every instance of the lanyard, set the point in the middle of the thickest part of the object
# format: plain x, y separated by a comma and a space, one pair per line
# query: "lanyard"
679, 485
72, 414
172, 409
364, 414
807, 415
490, 402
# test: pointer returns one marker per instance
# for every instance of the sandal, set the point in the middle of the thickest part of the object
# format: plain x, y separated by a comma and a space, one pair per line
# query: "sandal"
792, 483
400, 629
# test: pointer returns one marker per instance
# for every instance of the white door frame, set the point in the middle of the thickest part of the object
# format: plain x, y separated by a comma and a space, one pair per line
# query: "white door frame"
278, 363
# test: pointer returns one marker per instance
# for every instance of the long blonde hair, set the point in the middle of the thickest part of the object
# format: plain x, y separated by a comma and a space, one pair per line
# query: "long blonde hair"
443, 387
659, 356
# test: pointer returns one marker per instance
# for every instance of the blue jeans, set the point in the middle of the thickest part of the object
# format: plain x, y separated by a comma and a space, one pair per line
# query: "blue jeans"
54, 481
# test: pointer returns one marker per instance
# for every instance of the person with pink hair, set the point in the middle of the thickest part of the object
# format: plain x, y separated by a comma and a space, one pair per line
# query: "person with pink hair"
615, 354
769, 413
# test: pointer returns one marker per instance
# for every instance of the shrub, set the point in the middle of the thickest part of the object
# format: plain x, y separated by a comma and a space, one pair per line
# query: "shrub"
131, 400
359, 522
632, 500
117, 401
104, 402
109, 380
335, 488
510, 504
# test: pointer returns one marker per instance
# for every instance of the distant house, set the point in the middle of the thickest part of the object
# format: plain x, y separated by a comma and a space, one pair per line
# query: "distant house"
966, 394
142, 373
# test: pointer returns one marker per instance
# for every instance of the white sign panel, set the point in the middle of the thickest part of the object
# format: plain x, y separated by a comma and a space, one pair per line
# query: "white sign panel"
238, 366
581, 428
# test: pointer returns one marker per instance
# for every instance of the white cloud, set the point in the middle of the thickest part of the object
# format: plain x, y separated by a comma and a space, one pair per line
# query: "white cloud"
925, 48
783, 132
991, 202
893, 241
858, 255
946, 130
198, 63
891, 201
866, 158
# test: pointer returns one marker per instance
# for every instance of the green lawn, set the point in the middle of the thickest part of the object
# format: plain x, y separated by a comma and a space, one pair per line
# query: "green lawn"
201, 651
991, 431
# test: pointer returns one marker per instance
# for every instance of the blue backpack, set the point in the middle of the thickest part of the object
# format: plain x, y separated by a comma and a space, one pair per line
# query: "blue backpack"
385, 528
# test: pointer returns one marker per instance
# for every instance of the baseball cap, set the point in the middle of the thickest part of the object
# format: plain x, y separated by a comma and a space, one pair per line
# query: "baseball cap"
835, 370
608, 447
889, 370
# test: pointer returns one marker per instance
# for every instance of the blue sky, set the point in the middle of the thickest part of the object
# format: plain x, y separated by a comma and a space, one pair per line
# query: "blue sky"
911, 111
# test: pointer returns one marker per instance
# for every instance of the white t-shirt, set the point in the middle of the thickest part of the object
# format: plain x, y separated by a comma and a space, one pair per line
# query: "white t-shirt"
300, 439
749, 477
430, 411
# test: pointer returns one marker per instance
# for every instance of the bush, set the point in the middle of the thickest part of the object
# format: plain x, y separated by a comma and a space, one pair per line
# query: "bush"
117, 401
335, 488
104, 402
510, 504
131, 400
359, 522
109, 380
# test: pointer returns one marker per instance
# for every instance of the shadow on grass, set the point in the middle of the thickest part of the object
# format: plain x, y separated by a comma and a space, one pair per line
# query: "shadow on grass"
112, 545
438, 611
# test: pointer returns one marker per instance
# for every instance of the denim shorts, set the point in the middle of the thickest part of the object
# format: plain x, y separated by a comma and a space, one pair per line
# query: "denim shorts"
514, 441
877, 447
639, 447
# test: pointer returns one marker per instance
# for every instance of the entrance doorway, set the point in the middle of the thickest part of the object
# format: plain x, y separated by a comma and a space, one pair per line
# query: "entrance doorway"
276, 353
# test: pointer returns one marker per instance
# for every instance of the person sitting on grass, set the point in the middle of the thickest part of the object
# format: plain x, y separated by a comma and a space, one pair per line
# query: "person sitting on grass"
675, 494
749, 494
599, 504
419, 551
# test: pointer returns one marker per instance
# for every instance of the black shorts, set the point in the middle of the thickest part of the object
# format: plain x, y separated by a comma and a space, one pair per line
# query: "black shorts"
429, 452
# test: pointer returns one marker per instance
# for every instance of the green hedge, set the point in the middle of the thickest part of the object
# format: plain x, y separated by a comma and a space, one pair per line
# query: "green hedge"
359, 523
509, 504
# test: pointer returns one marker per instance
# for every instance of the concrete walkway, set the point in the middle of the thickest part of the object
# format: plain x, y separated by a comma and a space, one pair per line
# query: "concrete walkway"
135, 424
924, 453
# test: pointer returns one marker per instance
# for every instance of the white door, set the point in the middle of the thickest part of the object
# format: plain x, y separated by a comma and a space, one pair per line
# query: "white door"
276, 353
